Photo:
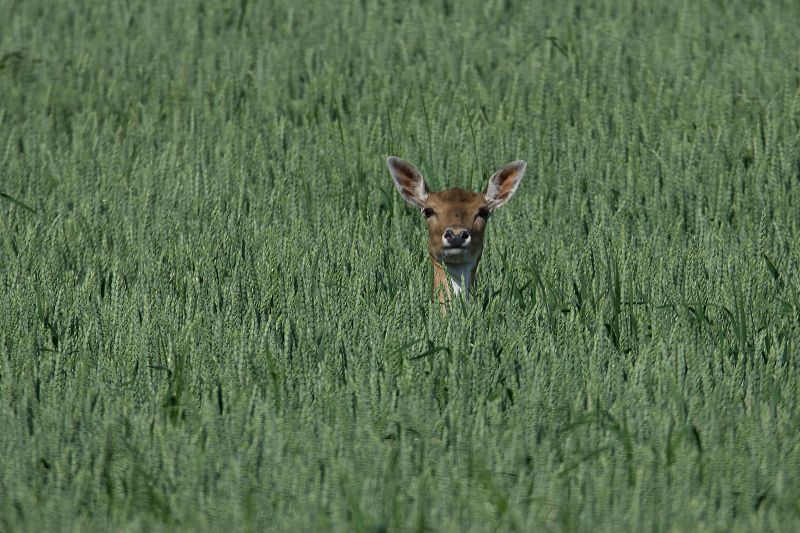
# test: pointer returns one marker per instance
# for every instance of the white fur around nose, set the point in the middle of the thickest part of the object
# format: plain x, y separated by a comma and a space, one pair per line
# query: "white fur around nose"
460, 277
466, 241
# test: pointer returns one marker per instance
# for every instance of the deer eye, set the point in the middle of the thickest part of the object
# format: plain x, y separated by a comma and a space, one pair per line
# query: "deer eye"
483, 213
428, 212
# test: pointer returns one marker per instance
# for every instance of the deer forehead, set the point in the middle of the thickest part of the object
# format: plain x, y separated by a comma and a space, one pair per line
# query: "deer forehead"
455, 202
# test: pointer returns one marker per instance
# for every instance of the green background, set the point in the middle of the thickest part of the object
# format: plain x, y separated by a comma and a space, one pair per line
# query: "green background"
214, 307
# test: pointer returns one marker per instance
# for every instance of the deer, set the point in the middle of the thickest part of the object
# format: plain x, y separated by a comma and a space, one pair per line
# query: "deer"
456, 220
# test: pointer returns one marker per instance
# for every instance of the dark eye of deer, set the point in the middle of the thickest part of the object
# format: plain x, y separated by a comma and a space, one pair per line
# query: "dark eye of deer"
428, 212
483, 213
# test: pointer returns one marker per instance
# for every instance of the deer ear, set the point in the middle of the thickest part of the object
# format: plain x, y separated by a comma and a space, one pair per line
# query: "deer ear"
503, 184
408, 181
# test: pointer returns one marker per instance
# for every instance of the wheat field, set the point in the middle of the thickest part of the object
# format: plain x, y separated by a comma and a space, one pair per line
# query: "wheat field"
215, 308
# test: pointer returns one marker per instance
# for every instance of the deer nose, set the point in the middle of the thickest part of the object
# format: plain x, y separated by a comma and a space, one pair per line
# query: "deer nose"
456, 238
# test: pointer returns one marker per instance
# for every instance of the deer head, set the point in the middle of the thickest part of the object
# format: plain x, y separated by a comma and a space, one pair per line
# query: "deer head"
456, 220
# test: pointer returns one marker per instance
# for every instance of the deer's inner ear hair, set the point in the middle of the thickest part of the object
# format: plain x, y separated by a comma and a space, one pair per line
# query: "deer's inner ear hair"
428, 212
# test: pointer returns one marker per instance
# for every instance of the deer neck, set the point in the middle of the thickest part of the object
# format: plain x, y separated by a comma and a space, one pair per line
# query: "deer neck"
460, 277
457, 278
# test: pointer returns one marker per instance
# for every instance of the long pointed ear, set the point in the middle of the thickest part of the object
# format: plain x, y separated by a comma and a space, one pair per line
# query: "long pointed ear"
503, 184
408, 181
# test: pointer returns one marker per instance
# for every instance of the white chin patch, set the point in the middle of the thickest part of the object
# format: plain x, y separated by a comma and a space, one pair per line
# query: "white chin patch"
455, 254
